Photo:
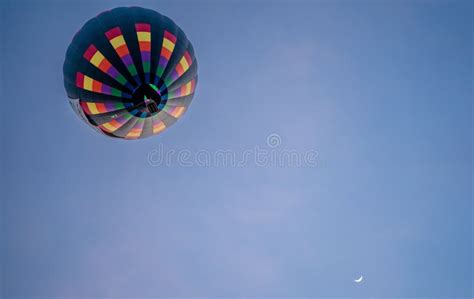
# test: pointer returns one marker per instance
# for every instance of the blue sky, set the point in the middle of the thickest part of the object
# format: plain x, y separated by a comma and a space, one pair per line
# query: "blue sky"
383, 92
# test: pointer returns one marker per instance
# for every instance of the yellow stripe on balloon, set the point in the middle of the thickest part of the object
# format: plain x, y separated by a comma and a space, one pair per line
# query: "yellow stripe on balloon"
109, 127
184, 64
168, 44
157, 128
117, 41
97, 58
144, 36
88, 83
92, 108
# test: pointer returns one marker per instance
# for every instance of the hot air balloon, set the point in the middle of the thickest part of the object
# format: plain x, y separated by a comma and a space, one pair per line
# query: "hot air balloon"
130, 73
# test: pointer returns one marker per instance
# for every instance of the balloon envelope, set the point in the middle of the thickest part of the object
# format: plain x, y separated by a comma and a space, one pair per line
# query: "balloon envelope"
130, 73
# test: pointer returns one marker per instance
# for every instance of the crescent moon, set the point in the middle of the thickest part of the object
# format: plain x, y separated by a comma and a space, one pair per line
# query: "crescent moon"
359, 279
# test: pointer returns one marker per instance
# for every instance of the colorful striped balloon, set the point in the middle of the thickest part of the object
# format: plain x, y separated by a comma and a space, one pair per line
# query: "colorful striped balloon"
130, 73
